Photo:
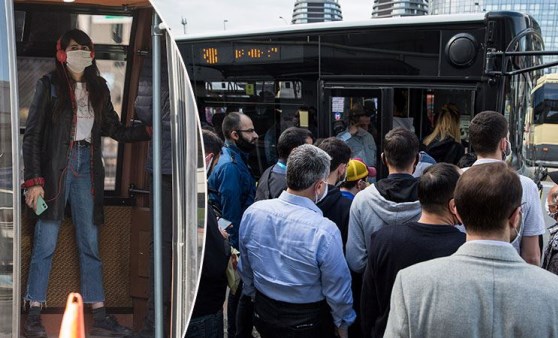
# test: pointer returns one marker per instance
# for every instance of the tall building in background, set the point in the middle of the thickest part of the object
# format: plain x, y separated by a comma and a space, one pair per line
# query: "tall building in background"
544, 11
393, 8
307, 11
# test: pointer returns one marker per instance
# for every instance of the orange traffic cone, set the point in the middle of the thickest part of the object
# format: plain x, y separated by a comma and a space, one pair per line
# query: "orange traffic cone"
72, 322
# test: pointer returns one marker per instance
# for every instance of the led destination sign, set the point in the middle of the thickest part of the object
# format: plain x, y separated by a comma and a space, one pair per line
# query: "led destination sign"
248, 54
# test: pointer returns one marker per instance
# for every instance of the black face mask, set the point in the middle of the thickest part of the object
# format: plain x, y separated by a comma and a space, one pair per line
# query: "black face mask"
244, 145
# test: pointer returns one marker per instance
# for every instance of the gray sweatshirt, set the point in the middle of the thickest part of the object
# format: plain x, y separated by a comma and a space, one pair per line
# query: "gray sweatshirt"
370, 212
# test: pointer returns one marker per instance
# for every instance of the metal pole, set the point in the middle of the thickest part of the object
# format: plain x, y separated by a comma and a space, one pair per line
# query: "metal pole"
184, 23
157, 255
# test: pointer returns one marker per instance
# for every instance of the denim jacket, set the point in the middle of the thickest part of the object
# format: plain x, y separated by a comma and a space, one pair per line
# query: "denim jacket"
232, 187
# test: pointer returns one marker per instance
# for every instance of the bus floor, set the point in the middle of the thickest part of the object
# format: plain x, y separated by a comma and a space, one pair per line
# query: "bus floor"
52, 322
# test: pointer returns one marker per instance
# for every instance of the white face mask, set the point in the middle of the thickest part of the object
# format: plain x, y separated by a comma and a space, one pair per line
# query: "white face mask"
78, 60
508, 151
319, 199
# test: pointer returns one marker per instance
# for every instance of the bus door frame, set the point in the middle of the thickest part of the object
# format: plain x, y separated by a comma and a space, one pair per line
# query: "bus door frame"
385, 112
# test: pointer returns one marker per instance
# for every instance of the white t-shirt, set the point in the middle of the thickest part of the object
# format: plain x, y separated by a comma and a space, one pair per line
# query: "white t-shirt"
85, 113
533, 220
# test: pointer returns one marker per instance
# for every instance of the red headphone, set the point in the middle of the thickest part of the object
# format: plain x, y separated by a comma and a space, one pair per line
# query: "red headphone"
61, 55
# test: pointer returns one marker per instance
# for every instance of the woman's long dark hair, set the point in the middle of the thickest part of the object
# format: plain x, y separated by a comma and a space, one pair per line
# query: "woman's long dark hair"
95, 84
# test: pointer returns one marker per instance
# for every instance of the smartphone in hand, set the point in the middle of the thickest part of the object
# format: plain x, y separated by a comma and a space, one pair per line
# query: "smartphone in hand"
41, 205
223, 223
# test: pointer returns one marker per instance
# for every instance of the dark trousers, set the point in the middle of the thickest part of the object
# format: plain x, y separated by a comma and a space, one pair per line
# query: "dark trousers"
166, 229
276, 319
209, 326
244, 317
355, 330
240, 313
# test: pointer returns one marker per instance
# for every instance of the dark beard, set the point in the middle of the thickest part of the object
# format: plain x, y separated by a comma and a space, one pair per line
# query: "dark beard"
244, 145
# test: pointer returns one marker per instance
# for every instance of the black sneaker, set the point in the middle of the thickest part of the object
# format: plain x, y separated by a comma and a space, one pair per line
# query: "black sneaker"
109, 327
33, 328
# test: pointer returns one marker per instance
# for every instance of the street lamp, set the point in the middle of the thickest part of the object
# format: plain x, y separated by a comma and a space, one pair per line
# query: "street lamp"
225, 24
184, 23
282, 18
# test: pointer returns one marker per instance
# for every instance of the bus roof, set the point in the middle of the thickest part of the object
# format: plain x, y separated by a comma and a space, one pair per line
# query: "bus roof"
107, 3
548, 78
336, 25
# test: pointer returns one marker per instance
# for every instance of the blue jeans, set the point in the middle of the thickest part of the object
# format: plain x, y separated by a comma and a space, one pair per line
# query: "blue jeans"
78, 191
209, 326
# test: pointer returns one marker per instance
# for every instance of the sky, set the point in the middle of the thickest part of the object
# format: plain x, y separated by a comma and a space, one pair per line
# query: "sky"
203, 16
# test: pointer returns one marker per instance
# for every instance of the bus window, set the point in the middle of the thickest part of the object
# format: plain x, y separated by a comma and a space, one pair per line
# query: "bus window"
111, 34
273, 106
541, 128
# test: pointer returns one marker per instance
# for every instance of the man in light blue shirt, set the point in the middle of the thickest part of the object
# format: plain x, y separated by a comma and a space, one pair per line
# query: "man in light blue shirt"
359, 140
291, 257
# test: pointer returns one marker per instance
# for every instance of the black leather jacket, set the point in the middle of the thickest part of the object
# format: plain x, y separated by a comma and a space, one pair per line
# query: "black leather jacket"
46, 146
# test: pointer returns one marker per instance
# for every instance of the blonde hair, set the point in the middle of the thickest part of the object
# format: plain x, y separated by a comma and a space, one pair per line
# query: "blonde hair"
447, 124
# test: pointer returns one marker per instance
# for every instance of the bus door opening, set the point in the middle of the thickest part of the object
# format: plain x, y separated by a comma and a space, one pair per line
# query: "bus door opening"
380, 109
361, 117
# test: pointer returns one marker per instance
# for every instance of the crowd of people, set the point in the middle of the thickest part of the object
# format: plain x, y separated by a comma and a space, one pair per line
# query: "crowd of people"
324, 253
321, 248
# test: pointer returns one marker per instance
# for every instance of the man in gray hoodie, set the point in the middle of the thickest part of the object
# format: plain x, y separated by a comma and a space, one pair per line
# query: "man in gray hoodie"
392, 200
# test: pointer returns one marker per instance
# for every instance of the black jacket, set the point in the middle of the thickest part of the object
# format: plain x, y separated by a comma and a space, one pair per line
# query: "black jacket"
270, 185
337, 208
213, 282
144, 112
446, 150
46, 146
394, 248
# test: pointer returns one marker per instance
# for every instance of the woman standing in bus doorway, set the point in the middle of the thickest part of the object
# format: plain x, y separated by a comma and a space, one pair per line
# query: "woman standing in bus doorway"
71, 110
444, 143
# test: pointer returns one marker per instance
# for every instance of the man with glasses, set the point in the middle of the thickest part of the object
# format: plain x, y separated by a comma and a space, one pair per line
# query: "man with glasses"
291, 257
485, 288
232, 187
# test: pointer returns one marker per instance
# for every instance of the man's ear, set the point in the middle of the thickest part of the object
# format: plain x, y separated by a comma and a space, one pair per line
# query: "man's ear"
341, 169
452, 208
515, 219
383, 158
235, 135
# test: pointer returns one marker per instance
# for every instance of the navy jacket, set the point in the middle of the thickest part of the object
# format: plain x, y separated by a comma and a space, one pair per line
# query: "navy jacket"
232, 187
